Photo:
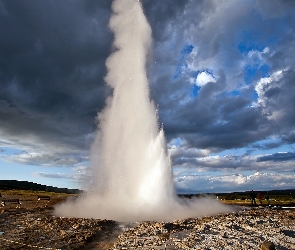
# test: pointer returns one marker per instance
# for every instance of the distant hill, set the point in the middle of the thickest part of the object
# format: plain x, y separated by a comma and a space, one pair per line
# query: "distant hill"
26, 185
285, 194
270, 192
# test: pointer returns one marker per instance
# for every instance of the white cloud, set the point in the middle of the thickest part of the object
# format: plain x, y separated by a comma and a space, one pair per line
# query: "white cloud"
203, 78
255, 54
54, 175
191, 152
200, 161
266, 83
30, 150
262, 87
234, 182
43, 159
79, 176
28, 153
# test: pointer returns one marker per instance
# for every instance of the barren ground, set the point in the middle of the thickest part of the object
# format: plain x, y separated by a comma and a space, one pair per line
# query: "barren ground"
31, 225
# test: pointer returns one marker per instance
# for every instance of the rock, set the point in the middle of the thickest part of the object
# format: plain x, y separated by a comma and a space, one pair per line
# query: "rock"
164, 236
62, 233
267, 245
240, 230
224, 234
172, 226
4, 215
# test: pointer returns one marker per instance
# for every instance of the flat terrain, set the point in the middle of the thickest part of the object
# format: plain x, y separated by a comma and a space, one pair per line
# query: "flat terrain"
31, 225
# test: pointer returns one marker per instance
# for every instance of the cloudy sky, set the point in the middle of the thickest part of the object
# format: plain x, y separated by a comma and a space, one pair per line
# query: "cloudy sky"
222, 74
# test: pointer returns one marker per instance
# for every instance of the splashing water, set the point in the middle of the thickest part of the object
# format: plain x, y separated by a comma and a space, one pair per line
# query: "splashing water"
131, 169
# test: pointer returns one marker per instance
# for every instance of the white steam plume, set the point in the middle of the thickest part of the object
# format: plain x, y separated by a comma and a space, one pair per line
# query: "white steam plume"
131, 169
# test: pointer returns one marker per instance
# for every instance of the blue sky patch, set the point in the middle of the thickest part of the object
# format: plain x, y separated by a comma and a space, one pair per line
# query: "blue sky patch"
187, 50
256, 71
181, 66
234, 93
11, 151
253, 72
246, 46
249, 74
264, 70
195, 90
254, 96
179, 70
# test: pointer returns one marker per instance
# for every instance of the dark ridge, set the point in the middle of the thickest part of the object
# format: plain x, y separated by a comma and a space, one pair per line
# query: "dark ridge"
270, 192
26, 185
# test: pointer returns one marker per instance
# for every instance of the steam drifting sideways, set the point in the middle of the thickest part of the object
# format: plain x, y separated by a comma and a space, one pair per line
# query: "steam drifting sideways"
131, 170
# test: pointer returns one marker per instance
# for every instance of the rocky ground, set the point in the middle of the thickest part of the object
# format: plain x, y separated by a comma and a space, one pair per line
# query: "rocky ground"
246, 229
31, 225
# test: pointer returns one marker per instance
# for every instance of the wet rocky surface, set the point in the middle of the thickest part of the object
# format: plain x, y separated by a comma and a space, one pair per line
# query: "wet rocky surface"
32, 225
246, 229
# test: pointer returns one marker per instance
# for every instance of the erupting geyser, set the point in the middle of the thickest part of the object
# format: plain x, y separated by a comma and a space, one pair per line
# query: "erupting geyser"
131, 171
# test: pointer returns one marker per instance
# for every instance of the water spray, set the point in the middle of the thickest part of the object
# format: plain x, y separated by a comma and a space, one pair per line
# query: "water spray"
131, 170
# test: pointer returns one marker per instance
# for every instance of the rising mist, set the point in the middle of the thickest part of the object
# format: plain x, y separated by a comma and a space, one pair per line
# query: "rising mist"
131, 170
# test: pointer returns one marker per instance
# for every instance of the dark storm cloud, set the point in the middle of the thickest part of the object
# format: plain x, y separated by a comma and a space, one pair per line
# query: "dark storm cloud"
52, 64
52, 67
288, 156
266, 146
281, 98
289, 137
216, 119
160, 14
